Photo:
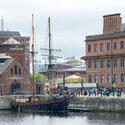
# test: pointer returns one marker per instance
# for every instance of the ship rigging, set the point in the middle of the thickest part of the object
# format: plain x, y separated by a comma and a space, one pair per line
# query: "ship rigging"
50, 53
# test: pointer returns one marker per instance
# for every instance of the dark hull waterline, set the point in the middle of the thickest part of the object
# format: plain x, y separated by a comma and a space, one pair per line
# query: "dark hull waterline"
48, 106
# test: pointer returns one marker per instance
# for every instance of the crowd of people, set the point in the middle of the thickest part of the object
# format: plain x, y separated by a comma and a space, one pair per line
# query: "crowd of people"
101, 92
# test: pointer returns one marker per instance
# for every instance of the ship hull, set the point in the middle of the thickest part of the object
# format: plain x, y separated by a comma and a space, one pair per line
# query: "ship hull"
48, 106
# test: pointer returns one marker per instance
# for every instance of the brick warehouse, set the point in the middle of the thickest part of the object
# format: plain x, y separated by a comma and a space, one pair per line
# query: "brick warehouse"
14, 63
105, 54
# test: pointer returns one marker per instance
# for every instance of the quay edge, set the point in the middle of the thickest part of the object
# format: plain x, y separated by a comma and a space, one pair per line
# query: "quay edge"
82, 103
5, 102
98, 104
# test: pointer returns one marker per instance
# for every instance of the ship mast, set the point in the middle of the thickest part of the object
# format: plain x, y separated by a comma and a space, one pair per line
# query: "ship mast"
50, 54
33, 48
50, 46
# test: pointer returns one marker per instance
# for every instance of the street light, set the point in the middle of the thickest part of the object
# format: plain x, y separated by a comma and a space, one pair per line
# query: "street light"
113, 87
97, 86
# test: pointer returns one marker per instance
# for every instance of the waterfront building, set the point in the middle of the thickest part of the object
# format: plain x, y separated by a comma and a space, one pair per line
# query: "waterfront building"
15, 45
14, 79
105, 54
66, 66
39, 64
63, 70
14, 63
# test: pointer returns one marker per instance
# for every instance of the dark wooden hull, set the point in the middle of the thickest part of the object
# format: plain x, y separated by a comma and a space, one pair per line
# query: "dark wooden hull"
47, 106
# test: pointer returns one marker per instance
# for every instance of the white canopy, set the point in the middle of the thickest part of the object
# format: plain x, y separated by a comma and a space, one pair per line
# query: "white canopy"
73, 77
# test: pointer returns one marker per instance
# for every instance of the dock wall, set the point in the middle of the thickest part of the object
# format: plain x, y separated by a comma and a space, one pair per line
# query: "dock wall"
113, 104
5, 102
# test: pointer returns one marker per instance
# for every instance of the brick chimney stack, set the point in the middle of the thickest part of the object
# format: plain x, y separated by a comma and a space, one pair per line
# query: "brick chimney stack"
111, 23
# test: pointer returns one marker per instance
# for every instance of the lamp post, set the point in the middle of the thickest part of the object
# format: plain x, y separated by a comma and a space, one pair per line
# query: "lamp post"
1, 88
82, 87
97, 86
113, 87
64, 79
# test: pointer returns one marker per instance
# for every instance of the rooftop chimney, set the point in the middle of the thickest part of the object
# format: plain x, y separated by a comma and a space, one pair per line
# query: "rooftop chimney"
111, 23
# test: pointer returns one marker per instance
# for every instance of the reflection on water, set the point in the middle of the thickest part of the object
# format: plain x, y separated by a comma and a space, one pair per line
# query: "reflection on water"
88, 118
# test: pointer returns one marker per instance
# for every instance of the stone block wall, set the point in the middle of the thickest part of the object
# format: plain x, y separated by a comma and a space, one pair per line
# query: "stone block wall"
99, 103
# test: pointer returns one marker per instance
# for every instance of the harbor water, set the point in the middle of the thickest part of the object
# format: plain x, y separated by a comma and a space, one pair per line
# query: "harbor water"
69, 118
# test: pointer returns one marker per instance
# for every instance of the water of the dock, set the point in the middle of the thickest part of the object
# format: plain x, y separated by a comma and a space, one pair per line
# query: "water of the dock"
87, 118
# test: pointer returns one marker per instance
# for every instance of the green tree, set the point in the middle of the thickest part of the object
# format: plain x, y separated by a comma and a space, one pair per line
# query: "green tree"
73, 61
39, 77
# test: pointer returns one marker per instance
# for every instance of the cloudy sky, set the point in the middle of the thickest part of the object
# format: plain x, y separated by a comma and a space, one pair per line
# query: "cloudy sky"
71, 20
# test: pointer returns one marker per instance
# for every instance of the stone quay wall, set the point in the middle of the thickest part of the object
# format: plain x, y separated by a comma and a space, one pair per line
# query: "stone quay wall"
5, 102
113, 104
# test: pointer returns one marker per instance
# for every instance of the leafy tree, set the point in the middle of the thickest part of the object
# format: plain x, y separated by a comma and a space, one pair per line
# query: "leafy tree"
39, 77
73, 61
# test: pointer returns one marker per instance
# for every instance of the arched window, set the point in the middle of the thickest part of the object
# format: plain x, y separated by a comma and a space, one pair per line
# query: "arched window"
90, 79
122, 78
11, 71
102, 78
96, 79
19, 71
15, 70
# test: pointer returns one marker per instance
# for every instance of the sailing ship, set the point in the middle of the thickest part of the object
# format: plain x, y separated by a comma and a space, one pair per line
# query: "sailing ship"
39, 103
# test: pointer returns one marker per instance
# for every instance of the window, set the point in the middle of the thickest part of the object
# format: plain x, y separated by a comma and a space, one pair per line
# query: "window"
108, 63
108, 46
89, 48
19, 71
11, 71
95, 48
89, 64
114, 78
122, 63
108, 78
15, 70
102, 78
115, 63
102, 64
95, 64
122, 78
101, 47
115, 45
90, 79
122, 45
96, 79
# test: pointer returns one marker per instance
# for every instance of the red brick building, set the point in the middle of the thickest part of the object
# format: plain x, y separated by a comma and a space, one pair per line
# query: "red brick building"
15, 45
14, 78
14, 64
105, 54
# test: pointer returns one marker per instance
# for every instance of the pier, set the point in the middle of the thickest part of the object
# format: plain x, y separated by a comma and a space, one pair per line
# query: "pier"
81, 103
106, 104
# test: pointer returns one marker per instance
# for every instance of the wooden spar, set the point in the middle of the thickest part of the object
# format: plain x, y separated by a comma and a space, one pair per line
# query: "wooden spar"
50, 56
50, 46
33, 48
